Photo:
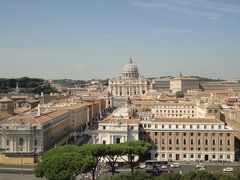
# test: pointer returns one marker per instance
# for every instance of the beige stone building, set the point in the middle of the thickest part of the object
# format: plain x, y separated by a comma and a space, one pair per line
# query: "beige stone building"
180, 83
30, 134
185, 139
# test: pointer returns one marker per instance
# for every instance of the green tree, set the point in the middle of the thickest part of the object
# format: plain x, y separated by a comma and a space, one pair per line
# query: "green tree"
179, 94
98, 151
64, 163
135, 148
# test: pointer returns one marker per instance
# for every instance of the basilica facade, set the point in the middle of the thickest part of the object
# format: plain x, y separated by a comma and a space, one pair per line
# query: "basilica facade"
129, 83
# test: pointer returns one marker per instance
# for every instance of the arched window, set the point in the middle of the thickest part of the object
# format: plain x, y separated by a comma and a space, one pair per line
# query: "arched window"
20, 141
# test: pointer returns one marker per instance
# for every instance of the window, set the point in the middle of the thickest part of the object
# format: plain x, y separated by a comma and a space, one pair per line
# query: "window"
170, 134
104, 142
191, 126
205, 126
170, 148
163, 141
118, 140
104, 127
191, 134
199, 141
7, 142
170, 155
228, 134
163, 155
162, 126
221, 156
192, 156
177, 141
156, 133
20, 141
156, 155
170, 141
156, 126
228, 142
219, 127
184, 156
176, 126
163, 134
199, 134
199, 156
221, 142
184, 134
191, 141
198, 126
214, 156
213, 142
184, 141
228, 156
184, 126
206, 142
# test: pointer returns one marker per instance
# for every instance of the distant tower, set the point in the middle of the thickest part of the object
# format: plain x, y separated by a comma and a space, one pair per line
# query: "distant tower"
7, 105
17, 90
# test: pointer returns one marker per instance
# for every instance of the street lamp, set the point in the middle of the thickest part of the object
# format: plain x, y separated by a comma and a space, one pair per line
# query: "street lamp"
21, 149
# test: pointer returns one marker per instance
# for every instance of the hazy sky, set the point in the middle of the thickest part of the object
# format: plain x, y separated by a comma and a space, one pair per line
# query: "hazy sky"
83, 39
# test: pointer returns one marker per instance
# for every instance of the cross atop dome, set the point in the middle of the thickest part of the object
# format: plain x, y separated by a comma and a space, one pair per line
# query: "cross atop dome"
130, 60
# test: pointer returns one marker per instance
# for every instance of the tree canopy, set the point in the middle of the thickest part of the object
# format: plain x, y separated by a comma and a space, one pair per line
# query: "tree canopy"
64, 163
67, 162
179, 94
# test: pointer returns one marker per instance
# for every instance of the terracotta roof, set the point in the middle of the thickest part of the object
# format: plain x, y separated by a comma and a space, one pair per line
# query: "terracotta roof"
46, 117
20, 120
187, 120
6, 99
75, 106
4, 115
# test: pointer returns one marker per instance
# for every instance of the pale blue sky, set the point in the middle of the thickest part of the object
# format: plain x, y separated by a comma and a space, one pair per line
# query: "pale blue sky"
83, 39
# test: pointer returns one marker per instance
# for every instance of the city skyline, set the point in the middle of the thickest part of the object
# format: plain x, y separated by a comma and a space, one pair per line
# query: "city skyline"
93, 39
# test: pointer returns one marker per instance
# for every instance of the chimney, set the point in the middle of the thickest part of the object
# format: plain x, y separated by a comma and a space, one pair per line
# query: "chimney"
38, 110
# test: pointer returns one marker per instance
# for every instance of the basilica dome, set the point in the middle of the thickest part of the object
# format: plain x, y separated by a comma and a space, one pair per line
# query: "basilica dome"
130, 70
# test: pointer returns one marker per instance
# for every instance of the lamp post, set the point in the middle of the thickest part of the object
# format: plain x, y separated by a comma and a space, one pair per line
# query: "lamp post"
21, 149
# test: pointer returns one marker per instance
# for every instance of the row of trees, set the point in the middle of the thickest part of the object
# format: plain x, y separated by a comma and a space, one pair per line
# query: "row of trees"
200, 175
68, 162
29, 85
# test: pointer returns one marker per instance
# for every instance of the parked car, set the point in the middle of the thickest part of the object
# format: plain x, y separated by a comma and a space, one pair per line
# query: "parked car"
164, 166
149, 168
175, 165
142, 165
228, 169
